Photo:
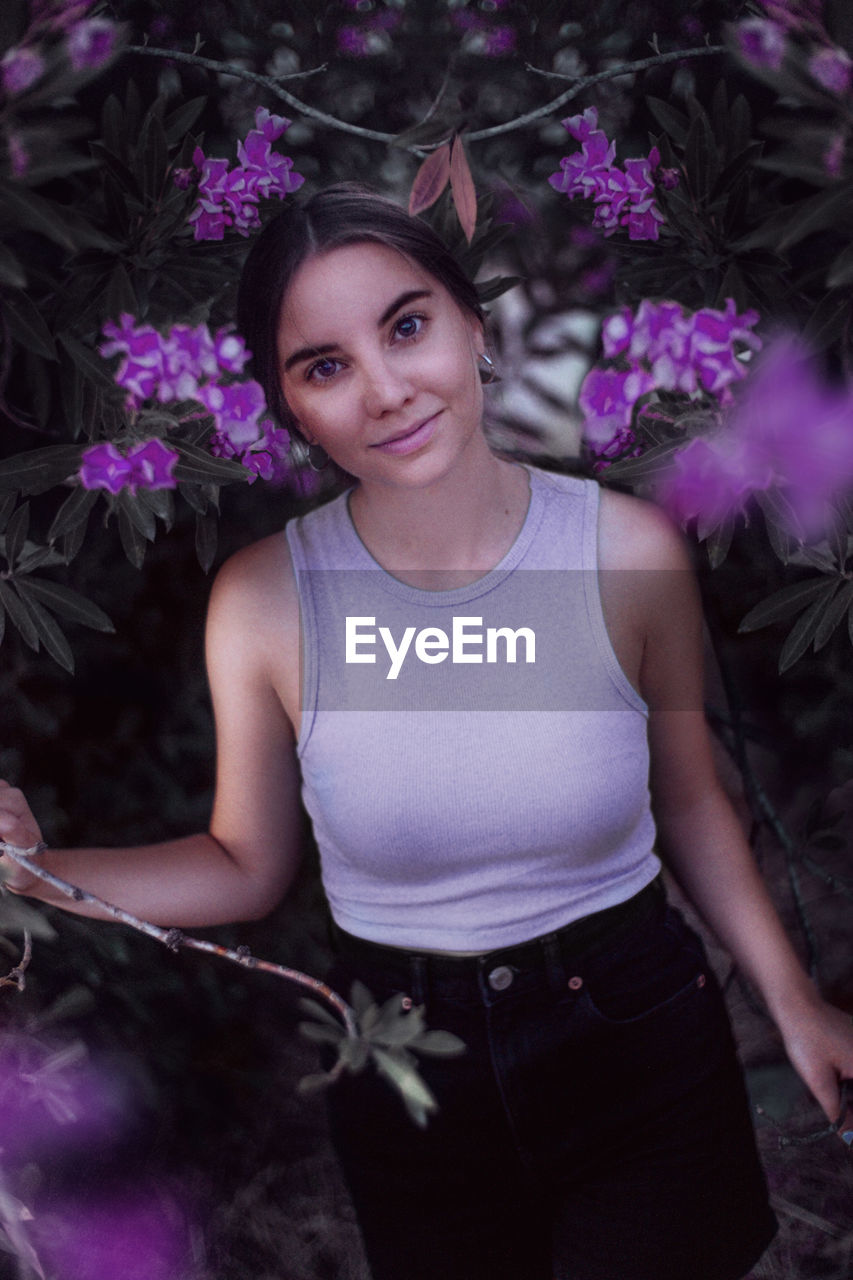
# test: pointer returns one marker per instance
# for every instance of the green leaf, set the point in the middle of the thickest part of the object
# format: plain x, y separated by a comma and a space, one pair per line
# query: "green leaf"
74, 509
67, 603
152, 156
89, 363
355, 1054
47, 630
805, 629
38, 470
16, 535
7, 506
198, 465
320, 1033
439, 1044
700, 157
319, 1011
140, 515
179, 122
816, 213
495, 286
131, 540
841, 271
783, 604
418, 1098
17, 916
835, 611
58, 223
19, 614
206, 538
673, 122
829, 320
27, 324
11, 269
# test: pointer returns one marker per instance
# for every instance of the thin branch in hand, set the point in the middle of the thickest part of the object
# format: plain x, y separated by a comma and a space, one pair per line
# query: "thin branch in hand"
174, 939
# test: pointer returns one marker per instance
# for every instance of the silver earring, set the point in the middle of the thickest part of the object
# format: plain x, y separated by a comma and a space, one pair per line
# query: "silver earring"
488, 372
319, 452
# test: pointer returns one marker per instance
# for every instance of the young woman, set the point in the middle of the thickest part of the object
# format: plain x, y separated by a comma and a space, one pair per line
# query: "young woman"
484, 678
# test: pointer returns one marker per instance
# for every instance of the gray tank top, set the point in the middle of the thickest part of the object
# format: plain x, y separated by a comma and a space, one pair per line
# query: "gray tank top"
474, 760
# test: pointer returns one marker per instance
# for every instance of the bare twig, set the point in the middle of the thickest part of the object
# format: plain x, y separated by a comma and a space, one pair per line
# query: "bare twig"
15, 977
174, 939
272, 85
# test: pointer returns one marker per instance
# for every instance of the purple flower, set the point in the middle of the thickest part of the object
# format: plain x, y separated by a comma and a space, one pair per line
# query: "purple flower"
761, 42
622, 197
19, 69
794, 14
95, 1238
148, 465
832, 69
607, 398
183, 178
236, 410
229, 197
354, 41
91, 43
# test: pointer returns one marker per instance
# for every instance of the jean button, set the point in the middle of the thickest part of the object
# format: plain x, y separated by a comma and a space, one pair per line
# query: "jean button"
501, 978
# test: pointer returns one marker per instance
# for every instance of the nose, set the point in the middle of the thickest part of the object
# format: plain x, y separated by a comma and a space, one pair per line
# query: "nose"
385, 388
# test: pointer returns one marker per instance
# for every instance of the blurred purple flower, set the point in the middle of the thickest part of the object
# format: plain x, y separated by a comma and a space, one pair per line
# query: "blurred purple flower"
91, 43
499, 40
761, 42
788, 429
794, 14
669, 179
19, 69
148, 465
124, 1235
623, 197
833, 69
183, 178
354, 40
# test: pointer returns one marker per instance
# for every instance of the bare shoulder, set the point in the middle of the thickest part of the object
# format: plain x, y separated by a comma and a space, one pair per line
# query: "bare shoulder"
254, 602
636, 534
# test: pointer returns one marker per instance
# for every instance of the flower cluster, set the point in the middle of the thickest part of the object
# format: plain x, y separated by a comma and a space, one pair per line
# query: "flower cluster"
229, 197
623, 197
189, 364
149, 465
788, 429
666, 349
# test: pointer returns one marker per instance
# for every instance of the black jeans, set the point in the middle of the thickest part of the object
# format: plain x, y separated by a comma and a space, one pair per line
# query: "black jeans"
597, 1127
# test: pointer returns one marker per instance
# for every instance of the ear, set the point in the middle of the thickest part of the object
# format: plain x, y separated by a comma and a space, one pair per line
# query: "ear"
478, 337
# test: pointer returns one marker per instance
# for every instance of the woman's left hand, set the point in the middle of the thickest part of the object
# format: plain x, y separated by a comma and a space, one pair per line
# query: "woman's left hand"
819, 1042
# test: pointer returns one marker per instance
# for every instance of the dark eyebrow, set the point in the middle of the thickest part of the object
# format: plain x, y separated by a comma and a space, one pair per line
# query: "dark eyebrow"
308, 353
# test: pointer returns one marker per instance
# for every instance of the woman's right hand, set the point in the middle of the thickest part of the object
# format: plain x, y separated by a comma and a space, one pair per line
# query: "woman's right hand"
18, 827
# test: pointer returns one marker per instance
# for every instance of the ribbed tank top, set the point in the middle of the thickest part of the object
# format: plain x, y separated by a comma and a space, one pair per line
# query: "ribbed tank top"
466, 804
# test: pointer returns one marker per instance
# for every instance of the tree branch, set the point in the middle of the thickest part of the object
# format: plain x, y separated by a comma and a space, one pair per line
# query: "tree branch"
174, 939
15, 977
273, 86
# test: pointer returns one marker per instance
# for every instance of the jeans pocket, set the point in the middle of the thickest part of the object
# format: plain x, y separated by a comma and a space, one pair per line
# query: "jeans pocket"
656, 969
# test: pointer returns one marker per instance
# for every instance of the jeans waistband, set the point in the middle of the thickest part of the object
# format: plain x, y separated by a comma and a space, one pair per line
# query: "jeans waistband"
419, 971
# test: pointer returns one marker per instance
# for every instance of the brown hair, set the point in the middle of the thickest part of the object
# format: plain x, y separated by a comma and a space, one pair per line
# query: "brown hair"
344, 214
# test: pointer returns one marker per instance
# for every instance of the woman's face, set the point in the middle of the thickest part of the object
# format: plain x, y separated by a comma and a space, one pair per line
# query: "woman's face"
379, 365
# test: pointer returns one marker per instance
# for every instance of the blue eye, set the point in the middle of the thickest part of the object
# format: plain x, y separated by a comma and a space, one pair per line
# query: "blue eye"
409, 326
324, 370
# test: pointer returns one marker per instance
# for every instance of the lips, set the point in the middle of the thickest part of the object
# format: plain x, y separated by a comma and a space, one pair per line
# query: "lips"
412, 438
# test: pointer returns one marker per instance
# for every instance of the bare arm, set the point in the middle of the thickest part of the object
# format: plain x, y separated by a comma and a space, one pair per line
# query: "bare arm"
243, 864
701, 838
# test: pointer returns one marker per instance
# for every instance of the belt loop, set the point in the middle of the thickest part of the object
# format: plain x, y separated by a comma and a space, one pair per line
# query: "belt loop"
554, 961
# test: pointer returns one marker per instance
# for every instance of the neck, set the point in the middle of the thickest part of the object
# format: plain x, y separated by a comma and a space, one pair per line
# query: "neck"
463, 523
